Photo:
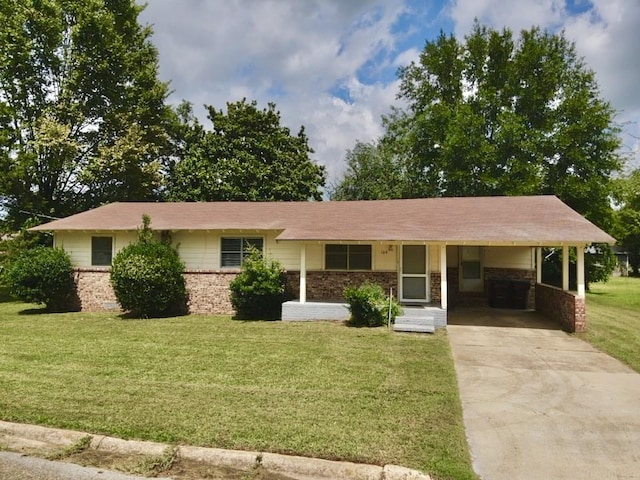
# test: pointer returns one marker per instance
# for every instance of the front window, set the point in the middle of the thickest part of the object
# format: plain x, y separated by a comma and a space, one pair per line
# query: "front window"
347, 257
101, 251
233, 250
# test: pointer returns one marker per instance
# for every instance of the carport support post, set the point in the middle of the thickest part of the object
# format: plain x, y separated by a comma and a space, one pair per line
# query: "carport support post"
303, 273
565, 268
443, 277
539, 265
580, 270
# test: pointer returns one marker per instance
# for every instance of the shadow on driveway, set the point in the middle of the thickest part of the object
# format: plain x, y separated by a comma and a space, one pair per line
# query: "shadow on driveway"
498, 317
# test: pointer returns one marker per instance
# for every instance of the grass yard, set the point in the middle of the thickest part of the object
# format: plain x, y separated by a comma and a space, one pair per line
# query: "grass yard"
315, 389
613, 319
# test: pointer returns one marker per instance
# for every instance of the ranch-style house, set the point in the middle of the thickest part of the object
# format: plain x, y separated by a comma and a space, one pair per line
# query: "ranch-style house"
434, 253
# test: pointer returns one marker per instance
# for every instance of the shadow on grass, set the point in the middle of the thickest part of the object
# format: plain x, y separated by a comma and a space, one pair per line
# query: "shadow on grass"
34, 311
131, 317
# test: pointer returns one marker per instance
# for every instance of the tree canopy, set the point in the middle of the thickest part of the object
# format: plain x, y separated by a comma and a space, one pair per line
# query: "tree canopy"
494, 115
82, 112
247, 156
627, 226
373, 173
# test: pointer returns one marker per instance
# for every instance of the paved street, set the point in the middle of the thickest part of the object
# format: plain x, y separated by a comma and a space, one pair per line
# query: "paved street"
14, 466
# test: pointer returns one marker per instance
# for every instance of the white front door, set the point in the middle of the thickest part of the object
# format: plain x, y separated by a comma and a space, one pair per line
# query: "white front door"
414, 277
471, 269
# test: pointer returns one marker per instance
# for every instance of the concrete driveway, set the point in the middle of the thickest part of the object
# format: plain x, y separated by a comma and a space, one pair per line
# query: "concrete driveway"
540, 404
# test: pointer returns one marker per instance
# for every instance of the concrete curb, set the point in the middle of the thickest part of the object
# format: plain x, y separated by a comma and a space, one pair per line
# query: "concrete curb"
19, 435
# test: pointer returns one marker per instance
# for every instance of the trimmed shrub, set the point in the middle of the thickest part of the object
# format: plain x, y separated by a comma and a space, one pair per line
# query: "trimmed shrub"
258, 291
369, 306
42, 275
147, 279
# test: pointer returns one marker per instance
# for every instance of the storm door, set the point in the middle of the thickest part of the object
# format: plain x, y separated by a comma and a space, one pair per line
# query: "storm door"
414, 277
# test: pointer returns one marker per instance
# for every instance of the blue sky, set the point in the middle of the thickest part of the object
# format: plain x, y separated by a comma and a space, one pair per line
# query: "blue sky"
331, 65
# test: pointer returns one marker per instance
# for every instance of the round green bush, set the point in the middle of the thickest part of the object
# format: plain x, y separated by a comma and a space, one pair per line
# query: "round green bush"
259, 289
42, 275
369, 306
147, 279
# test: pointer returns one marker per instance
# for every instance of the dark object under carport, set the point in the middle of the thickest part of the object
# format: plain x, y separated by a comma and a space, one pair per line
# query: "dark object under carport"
509, 293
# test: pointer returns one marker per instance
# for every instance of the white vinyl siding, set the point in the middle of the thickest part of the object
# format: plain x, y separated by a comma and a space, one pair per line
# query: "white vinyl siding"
509, 257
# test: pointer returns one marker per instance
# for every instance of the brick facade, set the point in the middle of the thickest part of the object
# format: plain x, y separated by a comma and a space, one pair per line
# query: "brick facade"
94, 292
435, 288
323, 285
208, 291
564, 307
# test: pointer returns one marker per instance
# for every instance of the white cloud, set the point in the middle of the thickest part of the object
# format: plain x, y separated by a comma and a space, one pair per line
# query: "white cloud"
515, 14
290, 52
297, 52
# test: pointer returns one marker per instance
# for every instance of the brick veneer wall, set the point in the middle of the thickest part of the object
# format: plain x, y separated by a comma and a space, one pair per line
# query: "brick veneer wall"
566, 308
329, 285
435, 288
94, 290
208, 291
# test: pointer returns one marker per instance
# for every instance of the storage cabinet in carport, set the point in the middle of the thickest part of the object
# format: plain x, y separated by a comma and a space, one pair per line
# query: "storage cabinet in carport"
509, 293
499, 292
519, 294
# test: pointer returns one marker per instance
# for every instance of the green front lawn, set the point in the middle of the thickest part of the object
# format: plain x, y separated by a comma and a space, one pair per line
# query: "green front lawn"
316, 389
613, 319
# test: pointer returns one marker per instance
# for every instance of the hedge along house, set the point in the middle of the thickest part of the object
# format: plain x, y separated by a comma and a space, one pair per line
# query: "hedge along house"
434, 253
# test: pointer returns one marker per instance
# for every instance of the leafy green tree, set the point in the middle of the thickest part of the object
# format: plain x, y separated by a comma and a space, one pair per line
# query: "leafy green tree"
42, 275
82, 113
247, 156
627, 227
147, 276
494, 115
373, 173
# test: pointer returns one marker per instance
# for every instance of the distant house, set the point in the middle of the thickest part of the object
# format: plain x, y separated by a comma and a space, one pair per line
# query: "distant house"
437, 252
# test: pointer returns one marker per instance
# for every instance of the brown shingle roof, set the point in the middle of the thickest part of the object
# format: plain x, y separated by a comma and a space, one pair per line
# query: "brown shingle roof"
528, 220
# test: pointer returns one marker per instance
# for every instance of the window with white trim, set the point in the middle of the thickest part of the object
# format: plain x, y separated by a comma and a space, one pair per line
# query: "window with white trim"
101, 251
347, 257
233, 250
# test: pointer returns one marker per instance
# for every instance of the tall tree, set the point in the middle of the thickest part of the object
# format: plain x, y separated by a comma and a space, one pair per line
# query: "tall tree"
82, 112
247, 156
627, 227
498, 116
373, 173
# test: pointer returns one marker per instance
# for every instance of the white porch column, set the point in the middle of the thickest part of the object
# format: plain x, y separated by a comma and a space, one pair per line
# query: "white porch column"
539, 265
303, 273
580, 270
443, 277
565, 268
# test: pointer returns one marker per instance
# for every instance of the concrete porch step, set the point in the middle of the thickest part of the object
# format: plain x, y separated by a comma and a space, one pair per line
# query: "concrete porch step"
413, 327
423, 320
418, 320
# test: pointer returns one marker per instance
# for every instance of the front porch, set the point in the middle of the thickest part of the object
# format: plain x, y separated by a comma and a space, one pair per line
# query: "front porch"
505, 276
414, 318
